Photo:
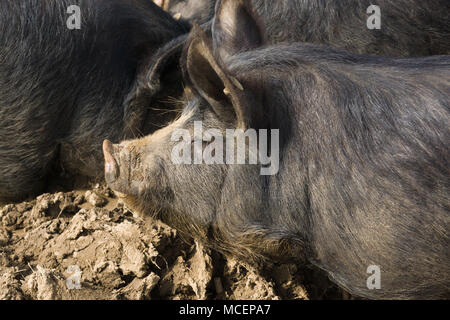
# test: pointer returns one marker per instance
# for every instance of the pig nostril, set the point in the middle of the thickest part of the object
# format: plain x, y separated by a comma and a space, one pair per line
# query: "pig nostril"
111, 168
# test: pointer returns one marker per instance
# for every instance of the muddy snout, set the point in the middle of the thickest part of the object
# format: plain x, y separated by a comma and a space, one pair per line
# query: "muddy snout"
112, 170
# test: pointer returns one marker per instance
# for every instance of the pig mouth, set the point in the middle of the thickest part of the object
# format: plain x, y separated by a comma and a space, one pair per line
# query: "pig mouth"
112, 171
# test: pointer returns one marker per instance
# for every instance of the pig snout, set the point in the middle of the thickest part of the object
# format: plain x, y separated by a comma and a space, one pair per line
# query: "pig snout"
111, 167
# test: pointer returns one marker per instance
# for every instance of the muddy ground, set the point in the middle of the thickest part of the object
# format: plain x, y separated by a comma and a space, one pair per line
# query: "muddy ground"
87, 245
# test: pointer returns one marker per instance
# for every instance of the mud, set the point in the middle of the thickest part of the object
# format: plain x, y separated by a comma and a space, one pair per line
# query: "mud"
87, 245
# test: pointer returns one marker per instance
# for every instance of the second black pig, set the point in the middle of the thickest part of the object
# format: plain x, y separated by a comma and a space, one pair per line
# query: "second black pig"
64, 89
406, 27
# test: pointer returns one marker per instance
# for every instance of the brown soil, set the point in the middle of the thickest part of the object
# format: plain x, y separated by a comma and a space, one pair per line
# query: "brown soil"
87, 245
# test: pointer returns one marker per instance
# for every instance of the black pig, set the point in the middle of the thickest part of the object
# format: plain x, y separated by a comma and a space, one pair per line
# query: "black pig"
408, 27
63, 90
363, 173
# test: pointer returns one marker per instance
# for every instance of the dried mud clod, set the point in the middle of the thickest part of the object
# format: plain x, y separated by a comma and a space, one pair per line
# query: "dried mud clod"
88, 245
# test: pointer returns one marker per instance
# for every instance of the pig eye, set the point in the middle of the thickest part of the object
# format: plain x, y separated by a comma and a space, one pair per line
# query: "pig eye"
203, 142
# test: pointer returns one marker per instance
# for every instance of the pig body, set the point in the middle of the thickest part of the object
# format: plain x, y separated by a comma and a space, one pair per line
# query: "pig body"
406, 28
363, 162
64, 90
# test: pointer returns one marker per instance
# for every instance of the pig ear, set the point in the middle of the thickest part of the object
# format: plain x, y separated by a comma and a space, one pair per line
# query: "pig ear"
160, 75
235, 28
160, 3
223, 92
